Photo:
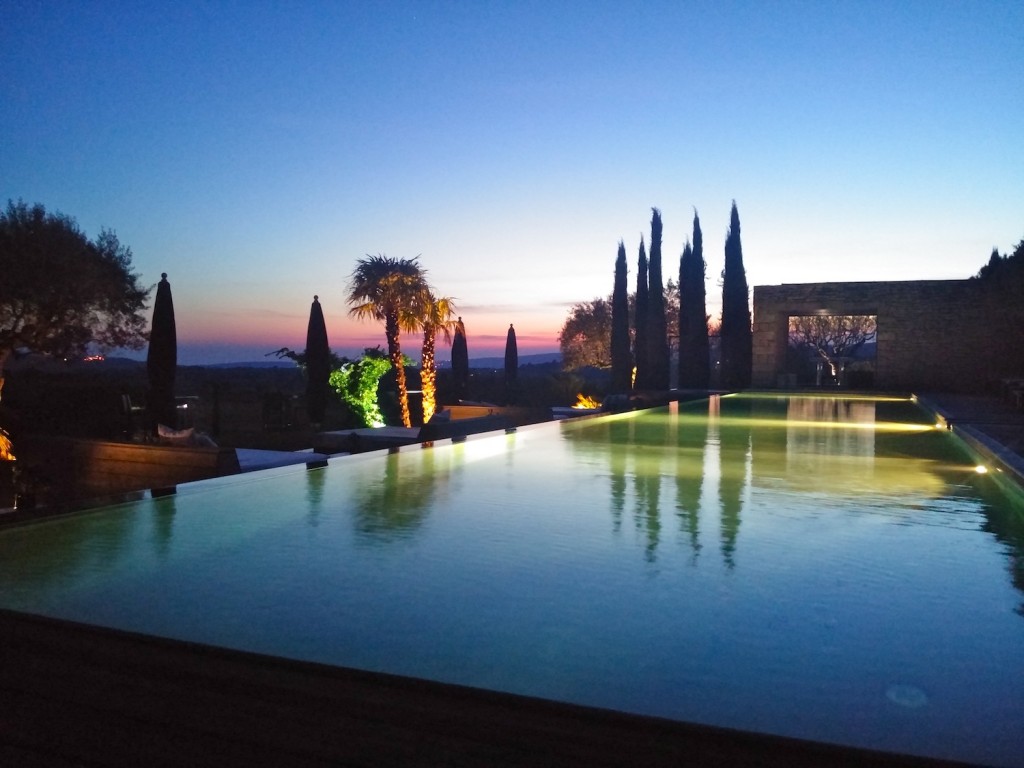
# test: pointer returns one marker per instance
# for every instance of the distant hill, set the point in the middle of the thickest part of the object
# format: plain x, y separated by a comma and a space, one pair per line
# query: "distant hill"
499, 362
51, 364
253, 364
479, 362
545, 359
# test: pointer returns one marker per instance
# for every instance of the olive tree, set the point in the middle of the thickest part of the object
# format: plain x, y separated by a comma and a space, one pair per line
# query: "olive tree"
61, 292
586, 335
832, 338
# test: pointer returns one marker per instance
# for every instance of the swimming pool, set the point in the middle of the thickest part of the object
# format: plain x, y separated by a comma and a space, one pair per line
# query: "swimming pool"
824, 568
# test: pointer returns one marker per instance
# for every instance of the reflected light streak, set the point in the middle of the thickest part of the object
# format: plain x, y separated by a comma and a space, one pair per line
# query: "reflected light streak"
876, 426
485, 447
823, 396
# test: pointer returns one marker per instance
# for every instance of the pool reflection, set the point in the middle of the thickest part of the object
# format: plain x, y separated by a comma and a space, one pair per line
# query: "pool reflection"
691, 469
738, 562
828, 454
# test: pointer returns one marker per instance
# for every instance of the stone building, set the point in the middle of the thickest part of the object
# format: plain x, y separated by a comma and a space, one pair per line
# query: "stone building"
951, 335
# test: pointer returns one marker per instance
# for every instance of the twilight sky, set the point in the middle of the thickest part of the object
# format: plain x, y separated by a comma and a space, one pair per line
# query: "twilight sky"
255, 150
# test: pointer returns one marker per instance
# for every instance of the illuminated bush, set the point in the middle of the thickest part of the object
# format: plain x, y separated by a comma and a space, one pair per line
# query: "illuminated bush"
356, 384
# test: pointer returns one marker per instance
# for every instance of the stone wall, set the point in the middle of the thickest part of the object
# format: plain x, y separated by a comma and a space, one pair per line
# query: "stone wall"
932, 334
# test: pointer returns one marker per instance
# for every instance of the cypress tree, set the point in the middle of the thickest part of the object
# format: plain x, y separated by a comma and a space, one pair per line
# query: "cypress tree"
736, 336
640, 319
622, 360
694, 349
657, 339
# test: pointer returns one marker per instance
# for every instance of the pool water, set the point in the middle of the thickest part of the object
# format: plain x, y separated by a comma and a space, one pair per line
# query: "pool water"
824, 568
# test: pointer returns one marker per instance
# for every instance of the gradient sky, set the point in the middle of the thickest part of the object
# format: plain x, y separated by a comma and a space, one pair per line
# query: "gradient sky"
254, 151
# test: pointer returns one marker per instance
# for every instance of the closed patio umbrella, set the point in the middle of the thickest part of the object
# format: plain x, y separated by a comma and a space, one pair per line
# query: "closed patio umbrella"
460, 360
318, 367
511, 355
162, 358
511, 363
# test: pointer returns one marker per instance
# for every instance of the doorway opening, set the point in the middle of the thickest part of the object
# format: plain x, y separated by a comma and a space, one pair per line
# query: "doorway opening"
832, 350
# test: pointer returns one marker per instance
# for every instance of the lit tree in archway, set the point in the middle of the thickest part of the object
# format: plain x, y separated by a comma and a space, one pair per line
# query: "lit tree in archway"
833, 338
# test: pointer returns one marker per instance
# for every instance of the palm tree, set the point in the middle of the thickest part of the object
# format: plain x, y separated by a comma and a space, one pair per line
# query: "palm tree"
437, 316
394, 291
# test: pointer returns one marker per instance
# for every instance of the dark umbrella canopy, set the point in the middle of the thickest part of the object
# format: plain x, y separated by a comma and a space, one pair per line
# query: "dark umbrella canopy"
511, 365
162, 357
511, 355
318, 368
460, 360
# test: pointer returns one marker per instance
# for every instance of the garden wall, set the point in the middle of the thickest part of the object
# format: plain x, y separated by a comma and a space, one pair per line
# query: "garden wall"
946, 335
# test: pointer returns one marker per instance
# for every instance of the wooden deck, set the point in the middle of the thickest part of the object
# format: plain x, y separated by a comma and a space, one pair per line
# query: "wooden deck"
82, 469
74, 695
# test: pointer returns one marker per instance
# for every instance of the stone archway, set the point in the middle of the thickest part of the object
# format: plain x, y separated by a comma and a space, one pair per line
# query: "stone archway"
827, 350
931, 333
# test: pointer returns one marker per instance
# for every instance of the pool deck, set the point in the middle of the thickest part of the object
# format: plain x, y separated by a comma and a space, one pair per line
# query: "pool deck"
994, 428
250, 460
77, 695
